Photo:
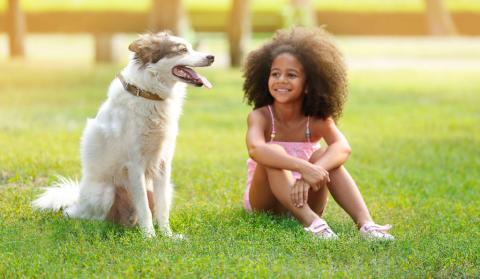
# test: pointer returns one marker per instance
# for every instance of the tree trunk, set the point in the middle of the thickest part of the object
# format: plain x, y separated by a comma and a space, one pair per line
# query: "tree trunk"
303, 13
239, 30
168, 15
15, 29
104, 48
439, 21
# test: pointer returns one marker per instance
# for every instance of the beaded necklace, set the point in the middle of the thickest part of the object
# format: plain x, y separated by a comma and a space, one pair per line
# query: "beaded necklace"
272, 135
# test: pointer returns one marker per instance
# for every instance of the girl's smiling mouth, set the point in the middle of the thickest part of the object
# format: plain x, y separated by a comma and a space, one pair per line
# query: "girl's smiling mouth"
282, 90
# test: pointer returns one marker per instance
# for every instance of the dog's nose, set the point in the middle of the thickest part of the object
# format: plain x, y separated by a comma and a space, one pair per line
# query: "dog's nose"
211, 58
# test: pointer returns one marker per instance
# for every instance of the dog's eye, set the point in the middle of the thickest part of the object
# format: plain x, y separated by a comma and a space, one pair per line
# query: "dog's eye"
182, 49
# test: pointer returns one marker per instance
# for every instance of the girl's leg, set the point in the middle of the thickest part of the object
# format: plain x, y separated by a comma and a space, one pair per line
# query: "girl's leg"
270, 191
261, 196
345, 192
318, 200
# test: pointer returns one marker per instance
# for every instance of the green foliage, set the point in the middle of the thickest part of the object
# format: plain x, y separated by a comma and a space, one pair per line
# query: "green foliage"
415, 142
263, 5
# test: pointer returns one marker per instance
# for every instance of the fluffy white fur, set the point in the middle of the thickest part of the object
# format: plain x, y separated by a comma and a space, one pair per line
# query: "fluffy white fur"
131, 141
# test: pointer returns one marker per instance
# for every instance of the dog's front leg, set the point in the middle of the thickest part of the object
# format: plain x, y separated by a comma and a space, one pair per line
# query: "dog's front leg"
136, 176
162, 188
163, 197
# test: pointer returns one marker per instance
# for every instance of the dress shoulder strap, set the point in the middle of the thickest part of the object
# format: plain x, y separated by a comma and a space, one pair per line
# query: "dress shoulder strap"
307, 130
272, 135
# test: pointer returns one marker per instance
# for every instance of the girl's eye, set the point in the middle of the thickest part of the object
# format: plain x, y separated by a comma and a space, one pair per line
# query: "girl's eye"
292, 75
275, 74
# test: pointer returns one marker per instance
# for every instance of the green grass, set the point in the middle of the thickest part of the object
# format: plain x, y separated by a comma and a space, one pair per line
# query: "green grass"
265, 5
416, 147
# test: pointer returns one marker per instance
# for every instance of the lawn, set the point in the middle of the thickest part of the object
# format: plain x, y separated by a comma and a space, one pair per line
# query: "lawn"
416, 158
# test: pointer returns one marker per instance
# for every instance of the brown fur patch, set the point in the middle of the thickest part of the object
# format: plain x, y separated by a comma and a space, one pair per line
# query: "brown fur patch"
123, 212
151, 48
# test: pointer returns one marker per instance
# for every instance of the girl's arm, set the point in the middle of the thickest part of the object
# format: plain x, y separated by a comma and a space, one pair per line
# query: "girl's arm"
270, 155
338, 149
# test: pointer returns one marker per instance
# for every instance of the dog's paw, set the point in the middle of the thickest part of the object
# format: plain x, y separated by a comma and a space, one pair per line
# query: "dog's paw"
148, 232
167, 232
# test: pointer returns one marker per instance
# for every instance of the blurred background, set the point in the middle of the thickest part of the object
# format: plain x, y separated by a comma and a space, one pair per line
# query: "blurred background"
58, 57
372, 33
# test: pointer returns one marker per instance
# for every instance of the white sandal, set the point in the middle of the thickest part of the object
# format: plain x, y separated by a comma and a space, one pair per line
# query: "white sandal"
320, 229
376, 232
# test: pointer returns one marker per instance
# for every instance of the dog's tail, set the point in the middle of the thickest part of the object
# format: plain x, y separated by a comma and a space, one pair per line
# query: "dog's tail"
64, 193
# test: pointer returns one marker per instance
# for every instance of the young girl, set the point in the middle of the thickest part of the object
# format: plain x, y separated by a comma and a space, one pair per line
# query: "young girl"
297, 85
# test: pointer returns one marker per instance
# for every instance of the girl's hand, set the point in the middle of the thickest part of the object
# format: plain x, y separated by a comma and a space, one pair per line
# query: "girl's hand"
316, 176
299, 193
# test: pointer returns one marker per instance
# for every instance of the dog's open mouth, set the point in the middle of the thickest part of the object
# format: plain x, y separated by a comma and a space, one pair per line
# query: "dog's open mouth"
188, 75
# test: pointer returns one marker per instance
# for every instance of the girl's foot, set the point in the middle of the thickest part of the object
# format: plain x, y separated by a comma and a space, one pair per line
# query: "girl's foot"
320, 229
376, 232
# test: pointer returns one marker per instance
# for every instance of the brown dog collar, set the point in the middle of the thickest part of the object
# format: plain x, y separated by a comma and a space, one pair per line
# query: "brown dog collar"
132, 89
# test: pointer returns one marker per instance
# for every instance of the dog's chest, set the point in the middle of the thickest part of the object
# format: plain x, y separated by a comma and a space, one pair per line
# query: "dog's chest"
155, 124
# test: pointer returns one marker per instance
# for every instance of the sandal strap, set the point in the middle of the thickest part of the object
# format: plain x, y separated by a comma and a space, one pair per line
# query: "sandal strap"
377, 228
318, 226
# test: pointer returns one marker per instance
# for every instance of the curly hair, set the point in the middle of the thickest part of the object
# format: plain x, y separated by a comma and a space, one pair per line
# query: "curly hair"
325, 71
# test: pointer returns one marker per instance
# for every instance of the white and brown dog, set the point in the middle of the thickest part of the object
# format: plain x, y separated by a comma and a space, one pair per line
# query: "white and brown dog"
127, 149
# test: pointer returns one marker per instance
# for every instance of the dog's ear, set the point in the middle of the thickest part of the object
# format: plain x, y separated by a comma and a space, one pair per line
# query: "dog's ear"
150, 48
136, 45
143, 42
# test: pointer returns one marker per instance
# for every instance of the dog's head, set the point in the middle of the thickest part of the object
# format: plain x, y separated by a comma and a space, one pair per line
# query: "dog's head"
165, 54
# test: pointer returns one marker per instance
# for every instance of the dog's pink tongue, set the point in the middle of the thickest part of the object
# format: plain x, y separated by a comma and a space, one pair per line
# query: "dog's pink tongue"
194, 75
205, 82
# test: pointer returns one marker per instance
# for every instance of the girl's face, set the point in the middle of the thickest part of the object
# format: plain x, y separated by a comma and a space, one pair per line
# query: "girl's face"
286, 82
